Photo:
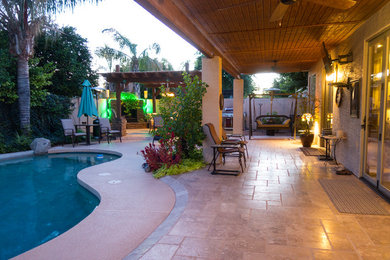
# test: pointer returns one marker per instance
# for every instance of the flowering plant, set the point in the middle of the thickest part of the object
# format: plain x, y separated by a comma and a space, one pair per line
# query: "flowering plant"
307, 118
168, 153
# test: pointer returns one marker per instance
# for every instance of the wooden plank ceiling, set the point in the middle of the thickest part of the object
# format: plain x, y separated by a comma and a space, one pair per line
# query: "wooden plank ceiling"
240, 32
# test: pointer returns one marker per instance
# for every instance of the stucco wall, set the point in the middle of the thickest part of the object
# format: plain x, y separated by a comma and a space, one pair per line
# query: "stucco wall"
348, 151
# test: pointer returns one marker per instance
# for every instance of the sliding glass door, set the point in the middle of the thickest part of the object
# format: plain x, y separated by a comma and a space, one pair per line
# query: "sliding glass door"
377, 115
384, 181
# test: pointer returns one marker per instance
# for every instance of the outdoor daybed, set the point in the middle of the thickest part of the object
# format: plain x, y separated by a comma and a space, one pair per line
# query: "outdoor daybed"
274, 122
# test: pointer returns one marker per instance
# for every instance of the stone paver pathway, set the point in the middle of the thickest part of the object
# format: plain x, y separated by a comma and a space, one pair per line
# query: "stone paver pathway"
277, 209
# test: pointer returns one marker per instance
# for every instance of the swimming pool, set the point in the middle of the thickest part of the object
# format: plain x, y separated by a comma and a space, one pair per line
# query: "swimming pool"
40, 198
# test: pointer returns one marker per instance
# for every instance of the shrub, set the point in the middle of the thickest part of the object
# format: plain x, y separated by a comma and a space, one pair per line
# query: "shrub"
46, 119
187, 165
165, 154
182, 115
131, 104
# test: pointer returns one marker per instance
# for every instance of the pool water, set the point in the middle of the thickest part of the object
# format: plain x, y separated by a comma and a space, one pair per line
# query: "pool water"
40, 198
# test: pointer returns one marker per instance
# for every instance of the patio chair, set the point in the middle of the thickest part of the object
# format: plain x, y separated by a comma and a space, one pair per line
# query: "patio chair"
105, 129
70, 130
223, 149
157, 123
235, 139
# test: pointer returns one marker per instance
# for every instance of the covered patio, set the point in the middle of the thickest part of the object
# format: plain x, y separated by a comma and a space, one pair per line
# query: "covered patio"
246, 37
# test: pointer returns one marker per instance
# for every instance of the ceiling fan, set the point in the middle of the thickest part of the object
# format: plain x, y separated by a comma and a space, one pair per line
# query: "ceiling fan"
283, 5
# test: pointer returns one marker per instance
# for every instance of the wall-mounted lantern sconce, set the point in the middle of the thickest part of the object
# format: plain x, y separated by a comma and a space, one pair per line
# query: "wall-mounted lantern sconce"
329, 62
344, 59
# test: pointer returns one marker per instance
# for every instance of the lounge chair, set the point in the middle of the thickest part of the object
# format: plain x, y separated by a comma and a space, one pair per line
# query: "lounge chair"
235, 139
223, 149
105, 129
70, 130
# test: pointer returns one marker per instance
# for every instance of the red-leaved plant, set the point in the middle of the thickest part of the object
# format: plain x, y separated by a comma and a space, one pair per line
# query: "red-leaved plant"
165, 154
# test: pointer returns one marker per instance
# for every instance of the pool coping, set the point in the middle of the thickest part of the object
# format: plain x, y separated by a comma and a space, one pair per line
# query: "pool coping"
122, 226
181, 195
16, 155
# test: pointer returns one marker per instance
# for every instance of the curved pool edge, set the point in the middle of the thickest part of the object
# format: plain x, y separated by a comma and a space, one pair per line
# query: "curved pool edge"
83, 150
17, 155
132, 205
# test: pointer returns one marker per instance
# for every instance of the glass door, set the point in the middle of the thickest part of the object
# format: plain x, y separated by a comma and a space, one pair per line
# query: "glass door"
373, 113
377, 115
384, 181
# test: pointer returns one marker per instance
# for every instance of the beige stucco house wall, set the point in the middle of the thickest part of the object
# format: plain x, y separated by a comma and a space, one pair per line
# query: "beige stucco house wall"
349, 151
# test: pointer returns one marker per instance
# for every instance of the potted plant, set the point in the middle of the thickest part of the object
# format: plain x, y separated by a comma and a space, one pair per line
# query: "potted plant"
307, 137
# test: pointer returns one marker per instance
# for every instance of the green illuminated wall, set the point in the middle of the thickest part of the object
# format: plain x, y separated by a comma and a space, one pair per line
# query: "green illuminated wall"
128, 96
105, 104
105, 108
147, 104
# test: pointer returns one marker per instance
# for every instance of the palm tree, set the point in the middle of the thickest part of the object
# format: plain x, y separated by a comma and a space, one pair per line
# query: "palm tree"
109, 54
133, 61
23, 20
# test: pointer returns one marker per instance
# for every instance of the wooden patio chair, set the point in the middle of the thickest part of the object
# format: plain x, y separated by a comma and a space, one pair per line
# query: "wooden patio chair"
70, 130
225, 150
105, 129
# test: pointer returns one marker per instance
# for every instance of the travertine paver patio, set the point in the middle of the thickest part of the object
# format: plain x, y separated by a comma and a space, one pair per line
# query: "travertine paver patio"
275, 210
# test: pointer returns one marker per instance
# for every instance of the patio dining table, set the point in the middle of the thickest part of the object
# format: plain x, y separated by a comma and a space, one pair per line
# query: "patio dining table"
87, 130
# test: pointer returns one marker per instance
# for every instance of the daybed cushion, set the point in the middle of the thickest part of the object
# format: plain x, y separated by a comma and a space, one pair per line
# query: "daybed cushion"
261, 125
274, 126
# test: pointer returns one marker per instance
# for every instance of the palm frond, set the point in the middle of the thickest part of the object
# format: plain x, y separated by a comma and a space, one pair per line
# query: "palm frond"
122, 40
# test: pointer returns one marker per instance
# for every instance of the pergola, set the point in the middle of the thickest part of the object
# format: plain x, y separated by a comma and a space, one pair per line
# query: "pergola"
150, 79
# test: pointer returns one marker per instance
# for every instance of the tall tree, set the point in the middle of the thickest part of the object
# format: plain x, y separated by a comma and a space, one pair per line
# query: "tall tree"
23, 19
71, 56
7, 71
291, 82
130, 57
109, 54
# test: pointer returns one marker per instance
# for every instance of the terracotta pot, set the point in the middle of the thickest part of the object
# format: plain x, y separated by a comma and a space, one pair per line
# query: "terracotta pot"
307, 139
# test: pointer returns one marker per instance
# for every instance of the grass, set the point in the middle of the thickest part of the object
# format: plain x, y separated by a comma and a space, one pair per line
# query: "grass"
187, 165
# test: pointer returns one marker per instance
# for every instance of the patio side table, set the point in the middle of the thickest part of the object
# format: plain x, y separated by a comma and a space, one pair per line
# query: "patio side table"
328, 139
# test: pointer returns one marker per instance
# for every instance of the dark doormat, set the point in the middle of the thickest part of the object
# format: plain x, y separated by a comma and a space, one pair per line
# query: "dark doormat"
310, 151
349, 197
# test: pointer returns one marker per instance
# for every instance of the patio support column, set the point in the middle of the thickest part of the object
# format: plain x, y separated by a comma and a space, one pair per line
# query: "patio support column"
154, 99
212, 76
119, 123
118, 91
238, 105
